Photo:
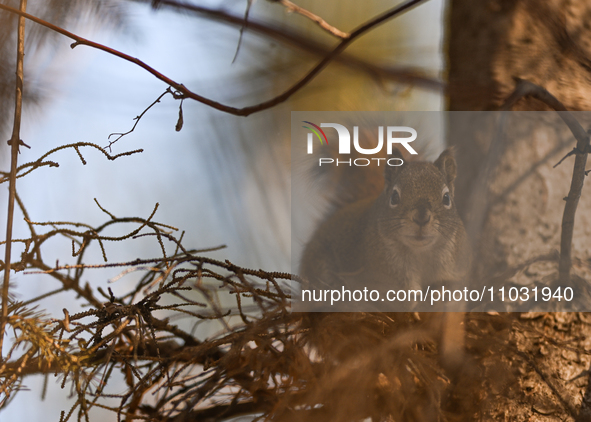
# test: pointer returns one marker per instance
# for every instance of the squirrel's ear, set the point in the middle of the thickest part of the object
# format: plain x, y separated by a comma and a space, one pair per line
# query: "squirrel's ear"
391, 172
446, 163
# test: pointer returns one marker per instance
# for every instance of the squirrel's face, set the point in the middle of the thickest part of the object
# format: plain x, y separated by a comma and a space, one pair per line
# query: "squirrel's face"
416, 207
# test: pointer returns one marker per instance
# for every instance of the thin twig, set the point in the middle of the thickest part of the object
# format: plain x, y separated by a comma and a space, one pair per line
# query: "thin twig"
243, 28
315, 18
39, 162
245, 111
14, 143
528, 89
104, 210
137, 119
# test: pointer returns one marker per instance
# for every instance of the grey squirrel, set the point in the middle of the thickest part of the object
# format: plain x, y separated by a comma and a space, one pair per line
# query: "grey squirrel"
407, 235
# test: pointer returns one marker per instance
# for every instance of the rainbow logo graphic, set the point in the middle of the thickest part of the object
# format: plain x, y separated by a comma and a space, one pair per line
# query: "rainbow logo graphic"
316, 129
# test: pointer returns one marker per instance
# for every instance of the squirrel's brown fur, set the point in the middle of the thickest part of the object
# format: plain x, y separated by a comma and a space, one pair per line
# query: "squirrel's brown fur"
409, 235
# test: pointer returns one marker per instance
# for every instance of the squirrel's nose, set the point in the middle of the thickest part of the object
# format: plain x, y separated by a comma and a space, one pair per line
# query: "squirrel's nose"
422, 216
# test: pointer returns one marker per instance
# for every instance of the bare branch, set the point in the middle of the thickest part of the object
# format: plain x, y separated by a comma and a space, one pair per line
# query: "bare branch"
39, 162
291, 7
245, 111
406, 75
137, 119
529, 89
243, 28
14, 143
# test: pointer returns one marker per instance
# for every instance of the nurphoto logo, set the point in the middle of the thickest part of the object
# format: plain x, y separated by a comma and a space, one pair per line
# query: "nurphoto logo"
392, 138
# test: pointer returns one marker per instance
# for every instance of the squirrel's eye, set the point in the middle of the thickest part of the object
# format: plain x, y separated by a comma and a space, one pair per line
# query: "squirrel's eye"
395, 198
446, 200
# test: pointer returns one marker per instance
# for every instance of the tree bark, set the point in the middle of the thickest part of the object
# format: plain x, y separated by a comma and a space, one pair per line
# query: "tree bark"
491, 45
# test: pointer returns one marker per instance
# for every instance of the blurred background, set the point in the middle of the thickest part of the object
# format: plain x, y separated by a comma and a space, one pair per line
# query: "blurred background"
224, 180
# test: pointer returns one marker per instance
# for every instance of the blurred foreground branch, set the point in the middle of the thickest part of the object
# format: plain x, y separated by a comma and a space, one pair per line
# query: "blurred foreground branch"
245, 111
15, 142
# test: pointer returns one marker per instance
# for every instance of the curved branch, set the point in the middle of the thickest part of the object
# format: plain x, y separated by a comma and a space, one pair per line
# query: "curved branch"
301, 41
245, 111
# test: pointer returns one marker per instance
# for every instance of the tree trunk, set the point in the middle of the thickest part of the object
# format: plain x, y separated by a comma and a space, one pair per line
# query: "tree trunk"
491, 45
